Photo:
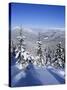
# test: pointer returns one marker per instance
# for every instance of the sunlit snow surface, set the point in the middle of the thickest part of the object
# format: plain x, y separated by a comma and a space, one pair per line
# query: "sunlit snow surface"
33, 75
60, 72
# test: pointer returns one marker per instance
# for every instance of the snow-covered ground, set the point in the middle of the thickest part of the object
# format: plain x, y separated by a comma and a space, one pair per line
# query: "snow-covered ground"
34, 75
60, 72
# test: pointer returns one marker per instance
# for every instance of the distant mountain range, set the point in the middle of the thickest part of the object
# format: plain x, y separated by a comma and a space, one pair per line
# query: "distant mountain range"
50, 38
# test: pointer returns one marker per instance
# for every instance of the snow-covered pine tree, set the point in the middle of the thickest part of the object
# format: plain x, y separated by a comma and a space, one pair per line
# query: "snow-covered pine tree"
63, 57
60, 56
39, 51
24, 58
48, 56
21, 52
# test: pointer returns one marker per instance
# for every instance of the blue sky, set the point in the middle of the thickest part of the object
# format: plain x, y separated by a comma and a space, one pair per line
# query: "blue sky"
37, 16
